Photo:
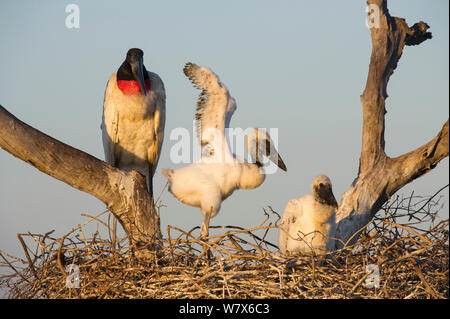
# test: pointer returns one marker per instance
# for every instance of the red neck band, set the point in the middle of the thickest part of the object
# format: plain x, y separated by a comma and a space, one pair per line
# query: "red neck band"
132, 87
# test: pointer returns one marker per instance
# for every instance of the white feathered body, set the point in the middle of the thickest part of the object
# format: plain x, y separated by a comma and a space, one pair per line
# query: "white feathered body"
219, 173
307, 225
133, 126
206, 184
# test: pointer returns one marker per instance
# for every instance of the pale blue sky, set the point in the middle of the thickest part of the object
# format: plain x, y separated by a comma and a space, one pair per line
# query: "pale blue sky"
299, 66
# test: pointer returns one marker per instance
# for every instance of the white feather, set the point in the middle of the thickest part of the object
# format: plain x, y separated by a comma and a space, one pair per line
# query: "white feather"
307, 225
219, 173
133, 127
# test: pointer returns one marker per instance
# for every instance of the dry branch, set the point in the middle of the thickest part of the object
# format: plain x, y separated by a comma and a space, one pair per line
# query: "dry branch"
380, 176
125, 194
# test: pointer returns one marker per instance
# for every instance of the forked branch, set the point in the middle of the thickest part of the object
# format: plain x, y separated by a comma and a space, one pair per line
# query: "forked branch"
380, 176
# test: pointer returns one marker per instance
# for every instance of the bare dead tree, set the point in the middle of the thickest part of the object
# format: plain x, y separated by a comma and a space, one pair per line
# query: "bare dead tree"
125, 194
380, 176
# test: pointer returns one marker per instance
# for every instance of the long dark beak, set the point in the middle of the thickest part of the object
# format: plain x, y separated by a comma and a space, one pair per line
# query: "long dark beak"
137, 67
281, 164
273, 155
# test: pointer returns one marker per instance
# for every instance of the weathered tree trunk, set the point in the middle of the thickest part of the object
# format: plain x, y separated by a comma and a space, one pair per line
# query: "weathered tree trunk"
125, 194
380, 176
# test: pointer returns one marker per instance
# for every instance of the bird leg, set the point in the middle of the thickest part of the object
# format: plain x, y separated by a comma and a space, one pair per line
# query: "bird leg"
150, 187
204, 230
150, 179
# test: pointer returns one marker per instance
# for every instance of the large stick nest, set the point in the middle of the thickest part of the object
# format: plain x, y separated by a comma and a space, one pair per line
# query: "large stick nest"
407, 242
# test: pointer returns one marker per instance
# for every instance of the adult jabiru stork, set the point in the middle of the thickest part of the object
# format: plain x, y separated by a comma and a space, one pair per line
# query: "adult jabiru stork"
134, 114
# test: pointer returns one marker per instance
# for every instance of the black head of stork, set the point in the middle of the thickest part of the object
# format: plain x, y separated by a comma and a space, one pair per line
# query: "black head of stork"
132, 72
